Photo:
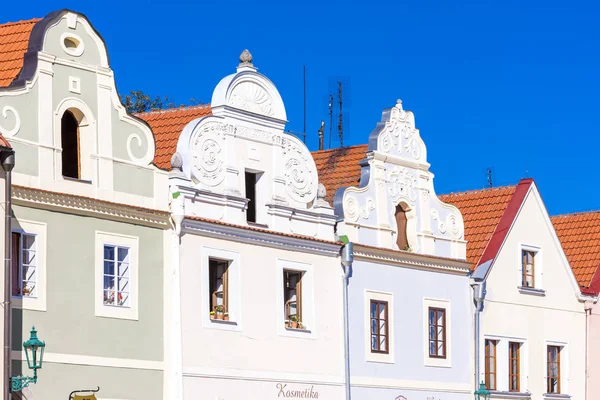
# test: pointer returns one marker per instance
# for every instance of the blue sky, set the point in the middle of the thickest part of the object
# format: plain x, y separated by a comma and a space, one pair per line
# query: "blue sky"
508, 85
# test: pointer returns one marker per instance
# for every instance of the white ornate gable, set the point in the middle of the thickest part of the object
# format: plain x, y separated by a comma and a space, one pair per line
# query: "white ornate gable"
396, 172
245, 134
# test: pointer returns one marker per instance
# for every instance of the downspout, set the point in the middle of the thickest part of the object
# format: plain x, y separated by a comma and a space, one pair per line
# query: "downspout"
478, 298
177, 215
7, 157
347, 259
588, 315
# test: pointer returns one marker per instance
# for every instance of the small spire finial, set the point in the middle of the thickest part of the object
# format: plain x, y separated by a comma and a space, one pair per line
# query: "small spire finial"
399, 104
246, 58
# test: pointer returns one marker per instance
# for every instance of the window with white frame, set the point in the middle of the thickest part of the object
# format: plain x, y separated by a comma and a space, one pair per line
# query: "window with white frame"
24, 264
116, 275
220, 289
530, 270
295, 299
116, 271
437, 324
379, 326
504, 364
28, 256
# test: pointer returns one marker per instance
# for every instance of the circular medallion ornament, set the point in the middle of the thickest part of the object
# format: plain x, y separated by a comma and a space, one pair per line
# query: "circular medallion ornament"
208, 163
299, 180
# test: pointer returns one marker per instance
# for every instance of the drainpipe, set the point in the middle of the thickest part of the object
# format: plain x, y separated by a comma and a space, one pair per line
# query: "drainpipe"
177, 216
588, 315
347, 259
478, 298
7, 158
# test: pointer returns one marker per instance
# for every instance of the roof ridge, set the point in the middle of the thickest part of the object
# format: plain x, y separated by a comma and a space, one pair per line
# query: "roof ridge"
338, 148
172, 109
577, 213
21, 22
478, 190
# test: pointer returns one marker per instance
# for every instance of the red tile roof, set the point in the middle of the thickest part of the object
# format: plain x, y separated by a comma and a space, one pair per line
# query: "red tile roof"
483, 211
339, 167
579, 234
167, 126
14, 39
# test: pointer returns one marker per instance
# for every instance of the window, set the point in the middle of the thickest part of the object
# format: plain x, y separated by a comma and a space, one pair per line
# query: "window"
379, 327
116, 276
116, 287
437, 332
24, 264
71, 166
553, 369
528, 269
219, 285
514, 366
251, 180
490, 364
292, 298
401, 223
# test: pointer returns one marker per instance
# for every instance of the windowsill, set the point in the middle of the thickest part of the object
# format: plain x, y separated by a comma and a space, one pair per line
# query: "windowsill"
301, 330
68, 178
257, 225
532, 291
496, 394
556, 396
222, 321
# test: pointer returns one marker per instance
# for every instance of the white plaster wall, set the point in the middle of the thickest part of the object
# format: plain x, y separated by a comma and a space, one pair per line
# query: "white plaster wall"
258, 351
558, 316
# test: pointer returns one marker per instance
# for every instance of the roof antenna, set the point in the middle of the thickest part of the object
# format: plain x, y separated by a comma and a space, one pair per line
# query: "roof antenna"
322, 135
340, 124
330, 118
489, 177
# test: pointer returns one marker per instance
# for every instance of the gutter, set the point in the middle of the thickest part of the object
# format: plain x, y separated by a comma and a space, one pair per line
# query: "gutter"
7, 158
347, 254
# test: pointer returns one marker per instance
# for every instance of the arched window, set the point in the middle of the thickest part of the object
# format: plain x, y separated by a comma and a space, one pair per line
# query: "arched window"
401, 223
71, 165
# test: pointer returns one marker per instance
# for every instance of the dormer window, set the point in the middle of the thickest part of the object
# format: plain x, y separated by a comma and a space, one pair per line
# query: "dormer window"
401, 224
70, 143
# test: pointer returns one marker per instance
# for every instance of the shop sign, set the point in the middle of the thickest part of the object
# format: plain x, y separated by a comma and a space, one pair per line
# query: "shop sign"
286, 391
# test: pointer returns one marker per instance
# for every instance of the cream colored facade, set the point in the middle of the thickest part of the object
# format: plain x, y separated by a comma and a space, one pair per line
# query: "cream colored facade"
551, 314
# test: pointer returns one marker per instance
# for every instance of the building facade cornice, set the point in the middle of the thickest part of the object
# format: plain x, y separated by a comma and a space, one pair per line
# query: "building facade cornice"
408, 259
218, 230
74, 204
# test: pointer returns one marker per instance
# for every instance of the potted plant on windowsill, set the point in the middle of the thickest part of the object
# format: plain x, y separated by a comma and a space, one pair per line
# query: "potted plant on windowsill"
226, 316
219, 312
212, 315
300, 325
294, 322
26, 291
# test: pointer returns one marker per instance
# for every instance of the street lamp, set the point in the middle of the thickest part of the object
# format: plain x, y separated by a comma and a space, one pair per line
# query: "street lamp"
34, 352
482, 393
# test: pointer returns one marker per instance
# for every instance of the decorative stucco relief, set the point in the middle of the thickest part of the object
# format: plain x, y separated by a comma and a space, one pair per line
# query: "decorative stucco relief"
208, 158
251, 97
400, 135
17, 121
401, 185
353, 211
300, 177
450, 225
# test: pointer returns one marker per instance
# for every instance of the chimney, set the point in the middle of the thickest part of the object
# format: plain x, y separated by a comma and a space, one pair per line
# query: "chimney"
322, 136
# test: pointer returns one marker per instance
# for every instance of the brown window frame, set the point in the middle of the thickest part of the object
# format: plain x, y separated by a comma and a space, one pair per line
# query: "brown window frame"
287, 297
491, 377
549, 369
524, 274
512, 373
377, 320
212, 274
435, 326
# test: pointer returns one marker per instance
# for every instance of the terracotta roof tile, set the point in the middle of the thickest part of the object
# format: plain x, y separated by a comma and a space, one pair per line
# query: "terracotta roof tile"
579, 234
482, 211
339, 167
167, 126
14, 39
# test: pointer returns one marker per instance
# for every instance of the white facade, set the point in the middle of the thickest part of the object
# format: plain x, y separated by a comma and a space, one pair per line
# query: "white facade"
547, 314
238, 160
